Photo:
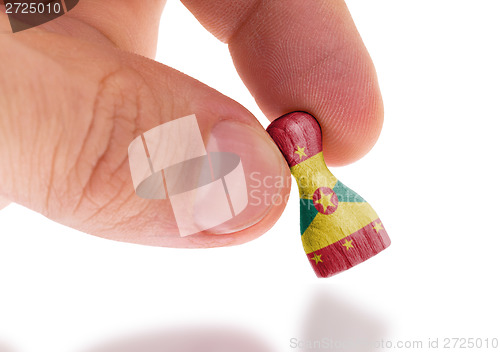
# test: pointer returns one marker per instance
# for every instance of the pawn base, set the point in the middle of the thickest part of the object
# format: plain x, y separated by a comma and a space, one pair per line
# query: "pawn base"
350, 251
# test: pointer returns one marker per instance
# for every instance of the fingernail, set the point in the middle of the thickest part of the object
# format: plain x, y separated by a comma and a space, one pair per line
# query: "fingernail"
250, 169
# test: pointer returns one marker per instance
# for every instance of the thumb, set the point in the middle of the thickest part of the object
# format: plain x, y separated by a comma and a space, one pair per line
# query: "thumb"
67, 126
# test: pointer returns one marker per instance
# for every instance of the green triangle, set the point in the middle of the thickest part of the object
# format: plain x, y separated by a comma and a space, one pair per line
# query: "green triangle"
307, 214
345, 194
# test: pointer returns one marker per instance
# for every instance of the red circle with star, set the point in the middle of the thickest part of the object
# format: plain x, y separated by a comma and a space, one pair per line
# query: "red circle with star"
325, 200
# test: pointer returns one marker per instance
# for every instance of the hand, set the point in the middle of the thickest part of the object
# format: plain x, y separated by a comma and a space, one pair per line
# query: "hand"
76, 91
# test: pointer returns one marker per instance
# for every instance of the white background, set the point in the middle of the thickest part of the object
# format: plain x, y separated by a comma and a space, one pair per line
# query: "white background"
432, 178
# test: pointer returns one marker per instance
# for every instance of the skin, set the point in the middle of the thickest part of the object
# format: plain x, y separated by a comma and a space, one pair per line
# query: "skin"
74, 93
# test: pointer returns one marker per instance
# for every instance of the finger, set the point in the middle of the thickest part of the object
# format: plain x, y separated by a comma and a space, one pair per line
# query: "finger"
303, 55
65, 127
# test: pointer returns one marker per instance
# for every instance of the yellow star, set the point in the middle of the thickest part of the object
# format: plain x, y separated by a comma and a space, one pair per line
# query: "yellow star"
378, 226
348, 244
300, 152
325, 200
317, 258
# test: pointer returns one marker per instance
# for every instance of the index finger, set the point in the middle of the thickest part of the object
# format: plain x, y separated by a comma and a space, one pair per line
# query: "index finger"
303, 55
